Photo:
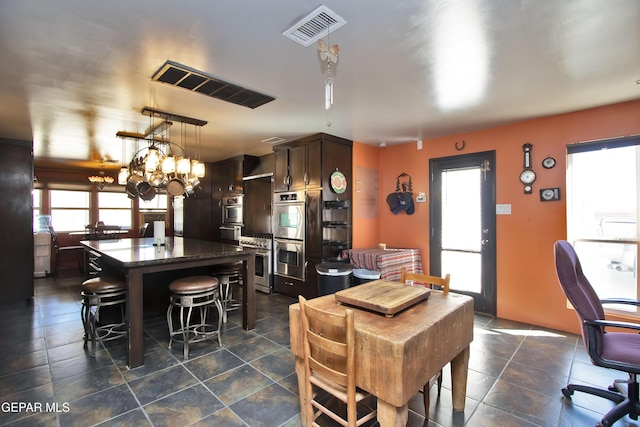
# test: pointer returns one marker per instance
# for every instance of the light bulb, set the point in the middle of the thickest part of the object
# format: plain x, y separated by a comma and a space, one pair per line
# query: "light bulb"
152, 159
169, 164
123, 176
183, 166
197, 168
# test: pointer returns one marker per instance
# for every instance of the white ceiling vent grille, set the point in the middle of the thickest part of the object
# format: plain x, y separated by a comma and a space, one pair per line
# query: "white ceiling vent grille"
314, 26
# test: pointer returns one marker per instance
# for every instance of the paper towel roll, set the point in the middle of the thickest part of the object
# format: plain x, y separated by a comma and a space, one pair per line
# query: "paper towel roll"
158, 233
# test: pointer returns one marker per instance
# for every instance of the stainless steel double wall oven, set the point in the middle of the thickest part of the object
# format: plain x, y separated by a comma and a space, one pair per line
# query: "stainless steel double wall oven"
232, 217
288, 232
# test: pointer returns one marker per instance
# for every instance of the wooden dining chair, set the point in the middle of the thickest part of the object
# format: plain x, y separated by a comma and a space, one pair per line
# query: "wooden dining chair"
59, 250
330, 366
426, 280
431, 281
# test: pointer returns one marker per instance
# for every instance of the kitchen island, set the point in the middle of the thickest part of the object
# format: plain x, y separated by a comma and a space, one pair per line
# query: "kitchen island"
136, 257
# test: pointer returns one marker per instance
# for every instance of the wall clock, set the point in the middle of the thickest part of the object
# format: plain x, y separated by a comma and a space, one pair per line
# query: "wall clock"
527, 176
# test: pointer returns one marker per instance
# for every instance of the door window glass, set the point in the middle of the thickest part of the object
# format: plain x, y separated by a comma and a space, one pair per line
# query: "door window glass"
461, 225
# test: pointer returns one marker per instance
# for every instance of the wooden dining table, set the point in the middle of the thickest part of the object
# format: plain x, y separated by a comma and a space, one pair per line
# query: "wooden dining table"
397, 355
137, 257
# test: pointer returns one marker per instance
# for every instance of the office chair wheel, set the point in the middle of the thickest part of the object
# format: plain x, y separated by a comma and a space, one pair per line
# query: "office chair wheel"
567, 392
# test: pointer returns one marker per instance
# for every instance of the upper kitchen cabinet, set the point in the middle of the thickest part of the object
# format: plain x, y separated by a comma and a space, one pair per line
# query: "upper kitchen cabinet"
304, 167
227, 175
197, 211
281, 170
298, 165
309, 162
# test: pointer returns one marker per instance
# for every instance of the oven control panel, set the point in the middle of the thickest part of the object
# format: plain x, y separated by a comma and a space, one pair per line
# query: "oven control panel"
290, 197
255, 244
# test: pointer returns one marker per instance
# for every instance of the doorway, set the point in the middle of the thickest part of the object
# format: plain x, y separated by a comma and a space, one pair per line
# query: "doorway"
463, 225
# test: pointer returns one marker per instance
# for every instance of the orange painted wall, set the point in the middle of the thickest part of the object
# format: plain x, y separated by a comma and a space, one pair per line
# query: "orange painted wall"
366, 233
527, 287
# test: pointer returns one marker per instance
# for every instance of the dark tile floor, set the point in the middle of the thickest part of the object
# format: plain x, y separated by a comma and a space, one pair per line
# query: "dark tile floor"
46, 377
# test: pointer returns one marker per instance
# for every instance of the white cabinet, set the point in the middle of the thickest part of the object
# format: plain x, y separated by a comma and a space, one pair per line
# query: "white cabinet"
41, 254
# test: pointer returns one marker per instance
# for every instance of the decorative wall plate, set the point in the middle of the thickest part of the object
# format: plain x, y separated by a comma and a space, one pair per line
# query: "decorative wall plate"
548, 162
338, 182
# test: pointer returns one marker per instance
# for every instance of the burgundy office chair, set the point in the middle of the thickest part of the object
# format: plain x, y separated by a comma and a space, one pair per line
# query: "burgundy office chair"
614, 350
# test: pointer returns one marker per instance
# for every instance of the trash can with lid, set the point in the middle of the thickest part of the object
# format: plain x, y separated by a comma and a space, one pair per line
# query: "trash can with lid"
362, 275
333, 277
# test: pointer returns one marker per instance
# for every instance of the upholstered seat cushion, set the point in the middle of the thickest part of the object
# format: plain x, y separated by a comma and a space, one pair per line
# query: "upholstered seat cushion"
103, 284
194, 284
230, 269
622, 347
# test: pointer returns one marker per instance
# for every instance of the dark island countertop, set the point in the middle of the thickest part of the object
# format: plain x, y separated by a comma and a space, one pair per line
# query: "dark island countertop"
142, 252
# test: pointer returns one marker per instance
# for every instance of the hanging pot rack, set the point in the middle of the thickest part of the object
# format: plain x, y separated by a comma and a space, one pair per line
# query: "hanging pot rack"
141, 177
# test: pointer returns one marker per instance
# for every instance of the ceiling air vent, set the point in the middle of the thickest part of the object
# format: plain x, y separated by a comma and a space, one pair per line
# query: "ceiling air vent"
314, 26
196, 81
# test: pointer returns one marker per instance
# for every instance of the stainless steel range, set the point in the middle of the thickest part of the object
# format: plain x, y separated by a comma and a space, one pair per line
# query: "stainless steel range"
264, 259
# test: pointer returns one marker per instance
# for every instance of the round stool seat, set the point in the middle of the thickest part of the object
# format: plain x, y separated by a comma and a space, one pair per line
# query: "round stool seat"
194, 284
191, 292
99, 293
103, 284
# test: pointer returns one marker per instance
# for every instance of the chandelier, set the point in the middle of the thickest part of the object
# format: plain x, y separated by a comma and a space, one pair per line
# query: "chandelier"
100, 180
162, 164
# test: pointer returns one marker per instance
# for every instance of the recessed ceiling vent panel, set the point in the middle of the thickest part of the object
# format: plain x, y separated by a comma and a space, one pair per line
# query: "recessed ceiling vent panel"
191, 79
314, 26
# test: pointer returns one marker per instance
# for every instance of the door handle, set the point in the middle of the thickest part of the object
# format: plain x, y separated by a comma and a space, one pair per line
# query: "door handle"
484, 242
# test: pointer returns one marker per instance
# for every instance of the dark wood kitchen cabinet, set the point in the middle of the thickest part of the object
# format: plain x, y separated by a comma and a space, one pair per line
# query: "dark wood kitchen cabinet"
203, 212
197, 210
308, 164
16, 227
281, 170
298, 166
304, 166
313, 225
227, 175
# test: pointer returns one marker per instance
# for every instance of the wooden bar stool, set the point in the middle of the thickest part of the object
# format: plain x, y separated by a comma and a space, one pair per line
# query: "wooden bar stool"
97, 293
187, 293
